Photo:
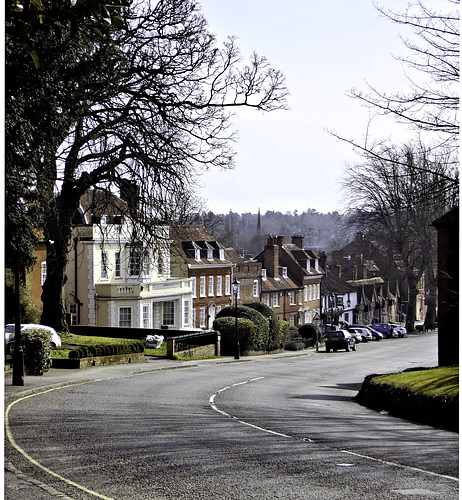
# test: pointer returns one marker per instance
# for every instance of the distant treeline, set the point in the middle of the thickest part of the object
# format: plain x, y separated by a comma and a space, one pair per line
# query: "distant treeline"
325, 232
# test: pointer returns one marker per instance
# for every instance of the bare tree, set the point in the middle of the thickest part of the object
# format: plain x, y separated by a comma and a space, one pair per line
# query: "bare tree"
432, 101
394, 196
149, 106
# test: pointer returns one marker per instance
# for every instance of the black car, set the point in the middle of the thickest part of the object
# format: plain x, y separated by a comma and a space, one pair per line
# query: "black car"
340, 339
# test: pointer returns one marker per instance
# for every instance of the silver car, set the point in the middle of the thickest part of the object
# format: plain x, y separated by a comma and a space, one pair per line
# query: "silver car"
10, 329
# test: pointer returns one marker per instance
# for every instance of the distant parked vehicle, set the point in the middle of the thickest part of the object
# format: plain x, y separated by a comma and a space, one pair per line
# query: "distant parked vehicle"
399, 329
340, 339
10, 330
384, 328
355, 334
376, 335
364, 332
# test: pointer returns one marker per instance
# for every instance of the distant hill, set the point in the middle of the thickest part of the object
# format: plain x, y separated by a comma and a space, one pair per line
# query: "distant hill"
325, 232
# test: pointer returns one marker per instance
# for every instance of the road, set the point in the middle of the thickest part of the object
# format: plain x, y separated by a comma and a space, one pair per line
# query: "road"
266, 428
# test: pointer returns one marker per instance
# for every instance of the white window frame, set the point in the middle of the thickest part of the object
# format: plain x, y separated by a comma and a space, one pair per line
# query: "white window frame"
228, 284
292, 298
310, 295
209, 253
267, 299
134, 261
202, 317
187, 312
194, 285
43, 272
256, 290
145, 315
306, 293
168, 312
276, 299
202, 286
73, 313
128, 311
219, 286
104, 264
118, 264
211, 283
318, 286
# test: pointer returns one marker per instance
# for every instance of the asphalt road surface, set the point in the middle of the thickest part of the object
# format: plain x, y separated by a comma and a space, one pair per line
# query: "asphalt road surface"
266, 428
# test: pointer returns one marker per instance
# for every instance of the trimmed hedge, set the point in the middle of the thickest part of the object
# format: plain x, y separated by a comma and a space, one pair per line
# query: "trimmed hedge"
132, 347
258, 341
37, 349
248, 334
277, 334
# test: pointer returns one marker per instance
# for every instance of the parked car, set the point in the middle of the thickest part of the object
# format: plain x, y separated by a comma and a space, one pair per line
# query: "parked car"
10, 329
340, 339
365, 333
355, 334
375, 334
399, 329
384, 328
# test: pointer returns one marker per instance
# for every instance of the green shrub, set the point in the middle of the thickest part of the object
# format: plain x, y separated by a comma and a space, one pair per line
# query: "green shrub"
275, 335
309, 330
248, 332
260, 338
37, 351
134, 346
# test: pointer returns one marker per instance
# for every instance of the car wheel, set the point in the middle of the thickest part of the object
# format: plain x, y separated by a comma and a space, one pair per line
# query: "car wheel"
327, 349
347, 348
354, 348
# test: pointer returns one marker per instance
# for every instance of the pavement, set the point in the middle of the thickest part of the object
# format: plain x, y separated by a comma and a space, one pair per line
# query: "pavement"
17, 485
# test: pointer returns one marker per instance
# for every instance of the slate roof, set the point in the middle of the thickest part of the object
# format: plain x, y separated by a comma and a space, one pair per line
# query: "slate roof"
189, 239
333, 284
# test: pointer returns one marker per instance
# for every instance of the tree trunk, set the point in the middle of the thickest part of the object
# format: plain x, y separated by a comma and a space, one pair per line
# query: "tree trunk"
58, 233
411, 306
53, 313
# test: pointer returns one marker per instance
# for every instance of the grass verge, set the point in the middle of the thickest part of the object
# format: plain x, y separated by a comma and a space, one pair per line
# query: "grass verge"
425, 395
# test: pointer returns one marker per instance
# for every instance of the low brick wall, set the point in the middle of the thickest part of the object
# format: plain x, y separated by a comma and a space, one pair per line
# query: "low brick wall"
195, 349
203, 351
79, 364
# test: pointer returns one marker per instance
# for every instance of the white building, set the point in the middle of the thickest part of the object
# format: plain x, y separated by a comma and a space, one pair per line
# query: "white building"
115, 281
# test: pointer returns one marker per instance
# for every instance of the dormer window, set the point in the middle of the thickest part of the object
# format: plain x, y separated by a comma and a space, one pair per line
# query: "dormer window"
308, 265
209, 253
197, 254
283, 272
222, 254
316, 264
103, 220
263, 274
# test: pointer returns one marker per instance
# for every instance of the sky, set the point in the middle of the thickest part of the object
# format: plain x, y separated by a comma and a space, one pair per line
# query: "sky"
287, 160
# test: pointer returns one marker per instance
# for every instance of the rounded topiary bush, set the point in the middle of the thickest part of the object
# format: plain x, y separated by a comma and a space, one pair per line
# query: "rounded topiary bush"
37, 351
248, 331
261, 336
275, 334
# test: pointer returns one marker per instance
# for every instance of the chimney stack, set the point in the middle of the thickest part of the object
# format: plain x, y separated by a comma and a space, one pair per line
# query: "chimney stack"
298, 240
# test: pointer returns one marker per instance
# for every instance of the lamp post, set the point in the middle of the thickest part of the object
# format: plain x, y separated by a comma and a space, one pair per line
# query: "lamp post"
236, 291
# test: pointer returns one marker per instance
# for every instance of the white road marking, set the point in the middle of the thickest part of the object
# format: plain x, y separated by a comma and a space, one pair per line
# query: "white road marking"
386, 462
32, 460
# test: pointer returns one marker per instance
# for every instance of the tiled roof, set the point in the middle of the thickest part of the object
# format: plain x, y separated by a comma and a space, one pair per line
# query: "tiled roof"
195, 241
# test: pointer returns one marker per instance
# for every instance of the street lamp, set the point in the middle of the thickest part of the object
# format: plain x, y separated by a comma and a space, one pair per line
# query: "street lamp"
236, 291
